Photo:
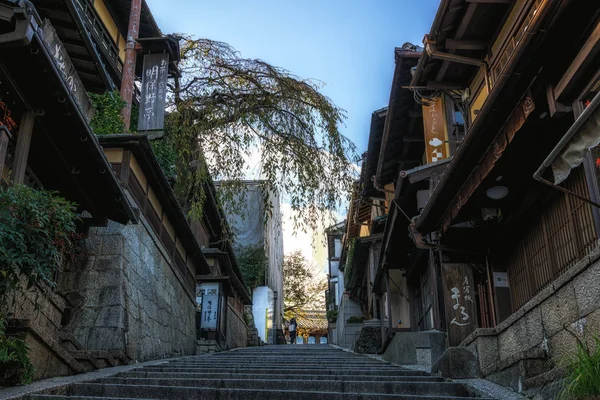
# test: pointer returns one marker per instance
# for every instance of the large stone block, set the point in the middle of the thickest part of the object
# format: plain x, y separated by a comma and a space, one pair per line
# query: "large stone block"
524, 334
487, 351
559, 309
408, 347
112, 245
457, 363
108, 263
587, 289
562, 345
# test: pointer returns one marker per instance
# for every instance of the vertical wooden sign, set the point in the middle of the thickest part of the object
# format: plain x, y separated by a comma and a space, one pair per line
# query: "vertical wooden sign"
63, 63
459, 301
154, 92
436, 131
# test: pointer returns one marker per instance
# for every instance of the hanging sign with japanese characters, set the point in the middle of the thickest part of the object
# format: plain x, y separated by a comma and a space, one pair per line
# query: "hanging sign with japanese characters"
460, 301
435, 128
65, 67
154, 92
210, 306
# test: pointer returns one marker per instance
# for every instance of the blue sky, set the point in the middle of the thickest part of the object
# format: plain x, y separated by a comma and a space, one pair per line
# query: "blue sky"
347, 44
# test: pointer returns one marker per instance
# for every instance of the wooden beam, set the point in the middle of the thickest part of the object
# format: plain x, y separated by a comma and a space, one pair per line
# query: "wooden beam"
455, 44
413, 139
554, 106
460, 32
22, 149
589, 49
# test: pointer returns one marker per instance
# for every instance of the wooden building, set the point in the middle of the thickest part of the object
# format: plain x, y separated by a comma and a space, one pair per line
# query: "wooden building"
131, 296
489, 195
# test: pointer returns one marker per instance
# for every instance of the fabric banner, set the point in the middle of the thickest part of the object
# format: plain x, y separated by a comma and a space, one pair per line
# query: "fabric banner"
586, 138
437, 147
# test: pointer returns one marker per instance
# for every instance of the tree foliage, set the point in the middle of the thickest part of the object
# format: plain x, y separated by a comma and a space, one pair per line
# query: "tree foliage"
253, 264
108, 117
224, 108
36, 229
303, 289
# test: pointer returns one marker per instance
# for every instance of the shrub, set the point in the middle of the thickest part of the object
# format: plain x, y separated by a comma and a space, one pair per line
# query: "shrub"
332, 316
15, 367
253, 264
583, 372
108, 108
36, 232
36, 228
355, 320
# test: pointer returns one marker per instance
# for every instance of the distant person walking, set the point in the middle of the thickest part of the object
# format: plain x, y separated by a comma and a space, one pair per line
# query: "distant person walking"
293, 328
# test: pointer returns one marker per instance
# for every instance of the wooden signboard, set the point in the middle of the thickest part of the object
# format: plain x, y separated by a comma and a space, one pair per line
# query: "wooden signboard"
67, 70
154, 92
437, 147
459, 301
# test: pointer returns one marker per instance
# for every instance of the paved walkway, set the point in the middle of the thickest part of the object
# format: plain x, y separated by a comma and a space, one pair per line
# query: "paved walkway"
272, 372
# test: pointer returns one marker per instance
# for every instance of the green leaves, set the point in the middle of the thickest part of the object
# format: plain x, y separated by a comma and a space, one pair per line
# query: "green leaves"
108, 117
253, 263
36, 228
235, 116
583, 370
302, 288
15, 366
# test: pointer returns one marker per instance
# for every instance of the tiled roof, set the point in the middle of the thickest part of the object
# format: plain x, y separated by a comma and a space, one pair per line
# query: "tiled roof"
312, 320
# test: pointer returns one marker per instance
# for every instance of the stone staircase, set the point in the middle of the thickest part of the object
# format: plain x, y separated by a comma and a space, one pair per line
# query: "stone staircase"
273, 372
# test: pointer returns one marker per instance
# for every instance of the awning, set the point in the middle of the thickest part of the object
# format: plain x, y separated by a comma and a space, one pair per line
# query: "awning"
570, 152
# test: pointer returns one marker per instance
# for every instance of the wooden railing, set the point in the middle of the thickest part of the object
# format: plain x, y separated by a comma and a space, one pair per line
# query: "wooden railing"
96, 27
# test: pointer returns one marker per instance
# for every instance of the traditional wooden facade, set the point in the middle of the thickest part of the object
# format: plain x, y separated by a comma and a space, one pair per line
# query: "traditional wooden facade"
502, 247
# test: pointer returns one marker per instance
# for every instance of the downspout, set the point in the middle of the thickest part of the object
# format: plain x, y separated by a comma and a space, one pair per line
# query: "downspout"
435, 27
488, 107
573, 130
129, 64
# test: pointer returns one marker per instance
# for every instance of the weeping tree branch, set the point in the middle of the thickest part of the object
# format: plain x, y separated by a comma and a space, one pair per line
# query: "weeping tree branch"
225, 108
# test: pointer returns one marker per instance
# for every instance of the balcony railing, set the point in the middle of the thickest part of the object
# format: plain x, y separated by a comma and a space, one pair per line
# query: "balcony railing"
104, 41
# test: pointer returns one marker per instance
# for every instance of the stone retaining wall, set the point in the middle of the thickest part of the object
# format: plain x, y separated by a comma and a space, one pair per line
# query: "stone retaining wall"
522, 350
237, 330
130, 296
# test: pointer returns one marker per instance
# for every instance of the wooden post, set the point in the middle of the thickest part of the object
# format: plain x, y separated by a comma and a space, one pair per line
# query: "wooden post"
129, 64
4, 138
22, 149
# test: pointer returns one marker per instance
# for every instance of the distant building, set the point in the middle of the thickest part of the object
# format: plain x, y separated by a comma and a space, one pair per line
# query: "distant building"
250, 230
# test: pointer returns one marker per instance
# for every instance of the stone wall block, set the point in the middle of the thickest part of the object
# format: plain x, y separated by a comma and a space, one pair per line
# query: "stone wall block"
524, 334
108, 263
559, 309
111, 296
93, 244
587, 289
112, 245
106, 338
487, 351
113, 316
561, 345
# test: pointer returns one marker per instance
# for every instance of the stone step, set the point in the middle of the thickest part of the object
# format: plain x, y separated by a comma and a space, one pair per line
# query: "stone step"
289, 378
253, 363
179, 392
371, 387
298, 370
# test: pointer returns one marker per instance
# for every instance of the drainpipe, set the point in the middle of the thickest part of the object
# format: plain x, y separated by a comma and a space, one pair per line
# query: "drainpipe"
129, 65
